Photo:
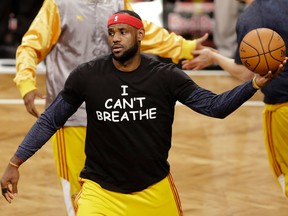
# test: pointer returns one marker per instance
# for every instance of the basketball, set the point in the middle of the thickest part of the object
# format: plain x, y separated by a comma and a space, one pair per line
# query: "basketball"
262, 50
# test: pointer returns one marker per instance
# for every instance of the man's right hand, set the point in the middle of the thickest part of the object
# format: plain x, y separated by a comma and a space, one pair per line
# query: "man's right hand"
202, 58
29, 99
9, 181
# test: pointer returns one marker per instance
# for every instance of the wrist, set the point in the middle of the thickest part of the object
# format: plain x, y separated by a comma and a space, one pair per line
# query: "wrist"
14, 164
15, 161
214, 57
254, 83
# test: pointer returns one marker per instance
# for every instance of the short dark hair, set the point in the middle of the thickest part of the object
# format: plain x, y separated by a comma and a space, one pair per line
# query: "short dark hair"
131, 13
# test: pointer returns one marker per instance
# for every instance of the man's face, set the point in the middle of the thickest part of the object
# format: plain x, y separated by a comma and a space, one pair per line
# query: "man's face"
123, 41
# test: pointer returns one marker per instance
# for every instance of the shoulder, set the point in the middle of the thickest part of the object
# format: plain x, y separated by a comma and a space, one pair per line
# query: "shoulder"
95, 63
155, 64
166, 72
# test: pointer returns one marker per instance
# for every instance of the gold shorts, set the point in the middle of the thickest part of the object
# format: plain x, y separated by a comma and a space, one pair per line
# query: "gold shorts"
68, 148
275, 122
158, 199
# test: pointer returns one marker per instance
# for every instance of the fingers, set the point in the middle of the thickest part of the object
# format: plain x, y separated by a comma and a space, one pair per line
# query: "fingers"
14, 188
269, 76
280, 68
9, 182
197, 63
188, 65
4, 190
203, 38
40, 95
214, 50
200, 40
262, 80
285, 62
29, 99
9, 192
5, 194
196, 52
31, 108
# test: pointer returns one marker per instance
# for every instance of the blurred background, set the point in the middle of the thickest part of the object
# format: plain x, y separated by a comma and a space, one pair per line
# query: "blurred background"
15, 19
191, 19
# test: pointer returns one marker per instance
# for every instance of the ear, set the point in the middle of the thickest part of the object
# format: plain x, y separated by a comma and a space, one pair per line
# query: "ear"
141, 34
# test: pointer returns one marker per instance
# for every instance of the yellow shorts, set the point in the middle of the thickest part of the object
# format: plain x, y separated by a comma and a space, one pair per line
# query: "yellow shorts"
275, 121
157, 200
68, 149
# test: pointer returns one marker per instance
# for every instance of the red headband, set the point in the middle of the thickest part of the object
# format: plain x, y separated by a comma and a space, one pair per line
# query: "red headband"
125, 19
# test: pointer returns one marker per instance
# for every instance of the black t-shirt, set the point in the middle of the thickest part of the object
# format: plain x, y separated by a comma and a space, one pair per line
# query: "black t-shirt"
129, 120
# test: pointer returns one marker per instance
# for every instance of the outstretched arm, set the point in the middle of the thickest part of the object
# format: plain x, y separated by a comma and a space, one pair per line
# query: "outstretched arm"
221, 105
206, 57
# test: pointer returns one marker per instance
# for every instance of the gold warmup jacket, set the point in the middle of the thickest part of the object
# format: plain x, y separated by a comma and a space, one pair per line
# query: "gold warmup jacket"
66, 33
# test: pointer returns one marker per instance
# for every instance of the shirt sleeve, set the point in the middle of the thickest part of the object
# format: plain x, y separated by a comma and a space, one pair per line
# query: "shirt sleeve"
46, 125
160, 42
37, 42
219, 106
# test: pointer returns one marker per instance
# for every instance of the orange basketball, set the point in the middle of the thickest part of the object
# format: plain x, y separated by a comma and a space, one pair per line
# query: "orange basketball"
262, 50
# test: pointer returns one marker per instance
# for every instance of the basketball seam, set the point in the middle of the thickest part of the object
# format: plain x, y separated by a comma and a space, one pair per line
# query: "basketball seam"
252, 56
259, 38
273, 51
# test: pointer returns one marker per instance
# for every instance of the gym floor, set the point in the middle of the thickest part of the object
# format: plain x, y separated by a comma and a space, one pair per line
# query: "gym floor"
220, 167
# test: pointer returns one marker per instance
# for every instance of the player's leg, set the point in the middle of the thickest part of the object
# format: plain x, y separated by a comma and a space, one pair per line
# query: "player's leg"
68, 146
159, 199
276, 138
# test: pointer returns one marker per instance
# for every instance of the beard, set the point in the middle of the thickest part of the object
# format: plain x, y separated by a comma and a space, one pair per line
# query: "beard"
128, 54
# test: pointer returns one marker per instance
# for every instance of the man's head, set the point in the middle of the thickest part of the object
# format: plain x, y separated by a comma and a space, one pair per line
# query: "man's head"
125, 32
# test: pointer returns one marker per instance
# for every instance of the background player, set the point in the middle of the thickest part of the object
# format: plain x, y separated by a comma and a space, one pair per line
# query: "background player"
275, 115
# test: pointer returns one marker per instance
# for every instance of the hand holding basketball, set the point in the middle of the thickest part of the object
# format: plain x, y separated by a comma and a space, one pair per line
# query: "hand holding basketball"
262, 50
261, 80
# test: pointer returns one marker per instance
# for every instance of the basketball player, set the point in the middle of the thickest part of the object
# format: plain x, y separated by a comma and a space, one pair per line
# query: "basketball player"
130, 100
275, 115
66, 34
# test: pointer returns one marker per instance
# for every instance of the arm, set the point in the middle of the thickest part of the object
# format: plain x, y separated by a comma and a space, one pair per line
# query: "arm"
206, 57
36, 44
46, 125
160, 42
221, 105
